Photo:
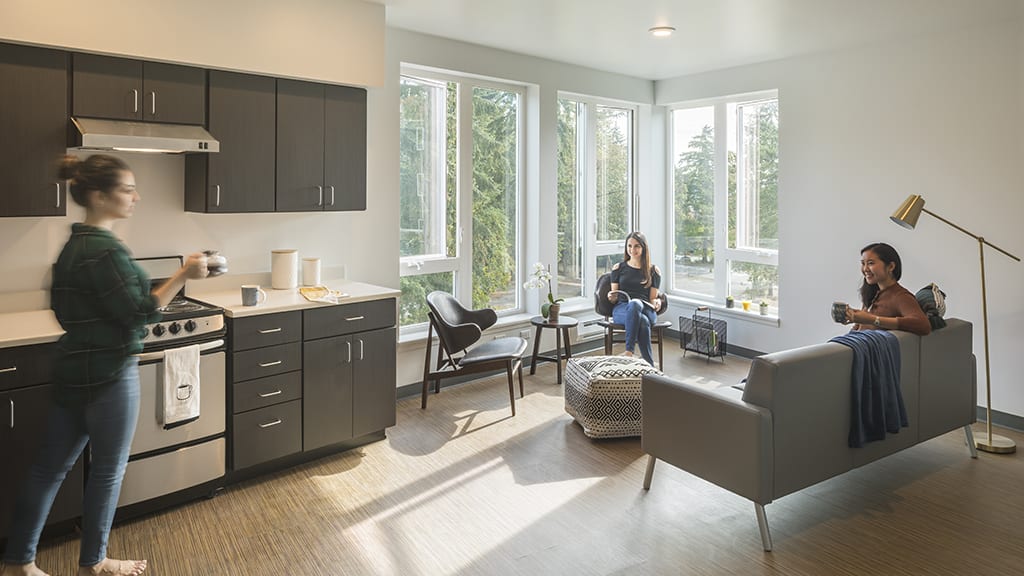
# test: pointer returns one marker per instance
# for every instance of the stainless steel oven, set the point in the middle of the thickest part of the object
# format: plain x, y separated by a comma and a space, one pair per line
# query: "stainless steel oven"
167, 466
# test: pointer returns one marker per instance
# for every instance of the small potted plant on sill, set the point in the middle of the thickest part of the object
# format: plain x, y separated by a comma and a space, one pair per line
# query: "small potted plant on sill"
729, 302
764, 308
540, 276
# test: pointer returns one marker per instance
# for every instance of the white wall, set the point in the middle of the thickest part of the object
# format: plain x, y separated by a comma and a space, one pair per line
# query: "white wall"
861, 129
334, 41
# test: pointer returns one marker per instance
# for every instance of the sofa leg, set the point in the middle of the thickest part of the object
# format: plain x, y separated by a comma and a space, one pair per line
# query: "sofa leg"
762, 524
970, 441
650, 471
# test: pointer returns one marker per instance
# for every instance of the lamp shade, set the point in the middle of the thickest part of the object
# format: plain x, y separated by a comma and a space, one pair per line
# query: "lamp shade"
908, 212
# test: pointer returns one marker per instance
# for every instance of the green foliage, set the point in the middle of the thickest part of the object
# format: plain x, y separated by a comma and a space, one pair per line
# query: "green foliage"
495, 195
413, 309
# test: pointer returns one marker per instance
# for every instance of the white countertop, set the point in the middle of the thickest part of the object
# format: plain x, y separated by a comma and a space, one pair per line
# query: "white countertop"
25, 328
288, 300
41, 326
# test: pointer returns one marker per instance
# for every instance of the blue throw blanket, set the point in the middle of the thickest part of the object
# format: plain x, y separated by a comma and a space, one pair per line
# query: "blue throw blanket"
877, 403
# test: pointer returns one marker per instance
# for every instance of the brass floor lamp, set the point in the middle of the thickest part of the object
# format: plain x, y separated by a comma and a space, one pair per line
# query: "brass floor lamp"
906, 216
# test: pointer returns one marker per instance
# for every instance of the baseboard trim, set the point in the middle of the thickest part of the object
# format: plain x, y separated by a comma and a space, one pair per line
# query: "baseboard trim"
1002, 419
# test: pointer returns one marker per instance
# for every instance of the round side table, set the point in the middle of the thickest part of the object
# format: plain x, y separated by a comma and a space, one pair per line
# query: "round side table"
561, 327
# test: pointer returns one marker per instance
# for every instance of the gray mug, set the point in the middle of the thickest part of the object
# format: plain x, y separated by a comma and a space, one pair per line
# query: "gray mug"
252, 295
839, 311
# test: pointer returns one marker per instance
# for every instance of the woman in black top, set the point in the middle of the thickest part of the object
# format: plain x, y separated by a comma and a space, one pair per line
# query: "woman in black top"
636, 276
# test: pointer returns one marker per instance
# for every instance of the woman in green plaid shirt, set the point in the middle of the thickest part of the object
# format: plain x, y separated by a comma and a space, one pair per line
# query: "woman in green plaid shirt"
102, 300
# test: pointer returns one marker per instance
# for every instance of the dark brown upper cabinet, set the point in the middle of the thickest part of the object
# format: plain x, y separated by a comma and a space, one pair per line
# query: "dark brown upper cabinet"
125, 89
321, 147
33, 125
345, 148
239, 178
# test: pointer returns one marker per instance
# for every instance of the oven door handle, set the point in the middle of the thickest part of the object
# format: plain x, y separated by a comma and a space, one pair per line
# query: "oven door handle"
151, 356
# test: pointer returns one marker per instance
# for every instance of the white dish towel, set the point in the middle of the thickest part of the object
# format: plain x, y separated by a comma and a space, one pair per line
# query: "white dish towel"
181, 386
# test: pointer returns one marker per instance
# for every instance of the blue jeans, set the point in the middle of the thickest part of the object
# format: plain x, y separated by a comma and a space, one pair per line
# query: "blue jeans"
105, 417
638, 320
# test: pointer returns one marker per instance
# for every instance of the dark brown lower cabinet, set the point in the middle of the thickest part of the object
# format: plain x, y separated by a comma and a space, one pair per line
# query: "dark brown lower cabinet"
22, 429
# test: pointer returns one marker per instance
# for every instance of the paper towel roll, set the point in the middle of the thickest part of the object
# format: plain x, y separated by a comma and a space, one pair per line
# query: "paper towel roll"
310, 271
284, 269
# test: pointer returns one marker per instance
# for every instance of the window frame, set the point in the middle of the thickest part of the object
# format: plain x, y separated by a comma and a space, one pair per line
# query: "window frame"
742, 254
461, 264
586, 141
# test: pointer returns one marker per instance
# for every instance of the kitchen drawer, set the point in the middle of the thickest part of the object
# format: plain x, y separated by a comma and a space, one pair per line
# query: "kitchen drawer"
266, 361
262, 392
265, 330
348, 318
267, 434
26, 365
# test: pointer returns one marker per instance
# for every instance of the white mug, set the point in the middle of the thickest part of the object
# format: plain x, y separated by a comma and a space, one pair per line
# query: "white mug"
252, 295
310, 271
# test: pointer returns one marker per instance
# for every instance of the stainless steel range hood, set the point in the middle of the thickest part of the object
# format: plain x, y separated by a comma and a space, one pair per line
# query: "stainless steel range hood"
95, 134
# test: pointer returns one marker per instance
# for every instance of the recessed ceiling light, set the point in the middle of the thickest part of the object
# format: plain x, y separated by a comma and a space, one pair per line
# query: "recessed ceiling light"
662, 31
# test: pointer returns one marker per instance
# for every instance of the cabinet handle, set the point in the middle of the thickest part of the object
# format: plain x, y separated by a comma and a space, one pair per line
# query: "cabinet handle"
360, 348
11, 369
320, 202
152, 102
269, 330
135, 100
217, 201
58, 194
269, 394
332, 195
354, 318
269, 424
268, 364
349, 343
12, 414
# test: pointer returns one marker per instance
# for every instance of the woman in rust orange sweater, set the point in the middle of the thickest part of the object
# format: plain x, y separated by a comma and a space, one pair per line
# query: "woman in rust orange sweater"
887, 305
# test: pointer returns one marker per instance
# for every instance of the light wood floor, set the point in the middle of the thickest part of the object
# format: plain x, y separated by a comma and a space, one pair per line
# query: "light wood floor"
463, 488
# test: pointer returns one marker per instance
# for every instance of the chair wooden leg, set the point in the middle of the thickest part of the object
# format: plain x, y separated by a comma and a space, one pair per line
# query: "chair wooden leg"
661, 351
607, 341
511, 386
426, 368
519, 369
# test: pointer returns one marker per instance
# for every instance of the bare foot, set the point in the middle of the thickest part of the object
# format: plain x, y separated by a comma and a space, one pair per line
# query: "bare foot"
108, 567
627, 354
29, 569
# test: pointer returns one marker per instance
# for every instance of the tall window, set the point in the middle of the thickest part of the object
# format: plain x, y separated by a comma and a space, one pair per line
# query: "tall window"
725, 214
460, 193
595, 190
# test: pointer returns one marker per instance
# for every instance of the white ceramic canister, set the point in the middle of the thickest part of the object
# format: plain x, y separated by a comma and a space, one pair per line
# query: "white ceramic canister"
310, 271
284, 269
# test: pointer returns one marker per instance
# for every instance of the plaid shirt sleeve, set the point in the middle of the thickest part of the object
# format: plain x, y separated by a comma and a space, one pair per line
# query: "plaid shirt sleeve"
123, 289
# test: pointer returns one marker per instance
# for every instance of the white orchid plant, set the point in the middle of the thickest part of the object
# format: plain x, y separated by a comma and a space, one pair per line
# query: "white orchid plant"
540, 277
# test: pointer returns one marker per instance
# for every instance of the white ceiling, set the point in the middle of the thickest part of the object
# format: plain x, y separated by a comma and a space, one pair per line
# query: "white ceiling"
612, 35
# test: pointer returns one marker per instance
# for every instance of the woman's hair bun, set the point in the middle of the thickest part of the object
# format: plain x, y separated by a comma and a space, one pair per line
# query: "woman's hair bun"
68, 169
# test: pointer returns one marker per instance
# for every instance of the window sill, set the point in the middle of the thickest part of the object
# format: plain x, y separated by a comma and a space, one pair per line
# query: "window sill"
718, 311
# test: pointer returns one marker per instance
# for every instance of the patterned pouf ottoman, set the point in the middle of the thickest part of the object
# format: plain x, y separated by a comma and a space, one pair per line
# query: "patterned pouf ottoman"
603, 394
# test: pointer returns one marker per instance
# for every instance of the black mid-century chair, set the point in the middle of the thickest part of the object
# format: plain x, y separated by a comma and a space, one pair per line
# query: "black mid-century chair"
604, 309
457, 329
